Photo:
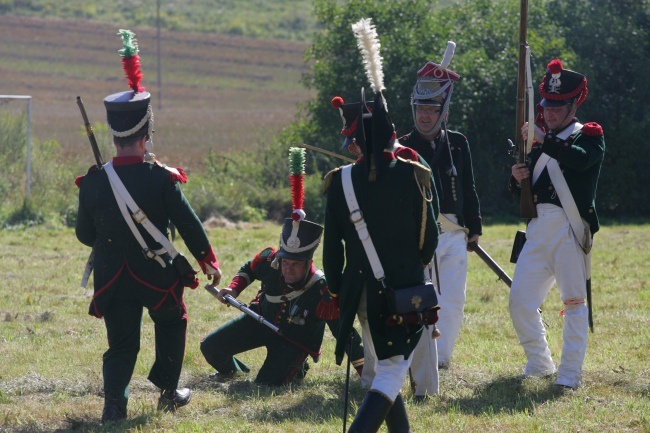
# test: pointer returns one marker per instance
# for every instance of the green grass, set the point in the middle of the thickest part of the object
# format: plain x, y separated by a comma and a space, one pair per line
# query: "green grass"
51, 351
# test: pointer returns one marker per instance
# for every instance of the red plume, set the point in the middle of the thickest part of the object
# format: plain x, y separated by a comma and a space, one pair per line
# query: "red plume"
555, 66
297, 191
133, 73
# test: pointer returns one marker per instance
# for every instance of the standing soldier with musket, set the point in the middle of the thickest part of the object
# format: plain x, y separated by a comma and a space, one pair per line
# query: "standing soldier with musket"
135, 265
565, 162
380, 232
448, 154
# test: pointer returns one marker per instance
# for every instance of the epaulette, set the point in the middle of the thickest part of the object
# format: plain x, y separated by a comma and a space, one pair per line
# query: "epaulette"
266, 255
78, 179
422, 173
406, 153
592, 129
327, 180
176, 174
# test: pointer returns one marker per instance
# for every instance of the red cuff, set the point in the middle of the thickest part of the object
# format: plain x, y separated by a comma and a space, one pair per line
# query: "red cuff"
210, 259
238, 284
328, 310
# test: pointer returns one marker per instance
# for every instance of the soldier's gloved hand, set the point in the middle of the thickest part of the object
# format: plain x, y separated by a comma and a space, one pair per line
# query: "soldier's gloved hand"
223, 292
537, 131
213, 274
335, 300
473, 238
520, 171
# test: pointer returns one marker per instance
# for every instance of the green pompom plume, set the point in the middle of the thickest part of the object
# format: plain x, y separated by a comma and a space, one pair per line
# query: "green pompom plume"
130, 43
296, 161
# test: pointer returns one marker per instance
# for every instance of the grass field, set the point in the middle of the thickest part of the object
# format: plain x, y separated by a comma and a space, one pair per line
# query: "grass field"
51, 351
219, 92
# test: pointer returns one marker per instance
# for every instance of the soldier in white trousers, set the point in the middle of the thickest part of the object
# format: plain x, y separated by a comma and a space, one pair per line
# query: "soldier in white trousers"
565, 163
448, 154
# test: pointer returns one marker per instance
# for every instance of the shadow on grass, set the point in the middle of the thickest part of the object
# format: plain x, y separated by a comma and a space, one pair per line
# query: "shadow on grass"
509, 394
314, 400
87, 424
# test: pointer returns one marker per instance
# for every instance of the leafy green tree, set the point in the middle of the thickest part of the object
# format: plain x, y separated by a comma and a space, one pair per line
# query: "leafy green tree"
414, 32
607, 40
612, 44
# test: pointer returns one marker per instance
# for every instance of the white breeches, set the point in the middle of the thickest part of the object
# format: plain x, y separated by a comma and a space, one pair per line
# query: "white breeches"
451, 254
386, 375
551, 254
424, 368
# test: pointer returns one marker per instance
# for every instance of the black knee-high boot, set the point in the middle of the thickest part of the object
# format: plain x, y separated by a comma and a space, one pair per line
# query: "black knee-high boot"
396, 420
371, 413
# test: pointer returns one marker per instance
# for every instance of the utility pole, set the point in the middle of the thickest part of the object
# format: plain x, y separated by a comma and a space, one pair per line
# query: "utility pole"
159, 69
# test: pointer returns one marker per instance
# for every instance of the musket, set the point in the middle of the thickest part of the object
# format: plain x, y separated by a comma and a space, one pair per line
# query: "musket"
258, 318
244, 309
327, 152
99, 162
527, 208
490, 262
91, 135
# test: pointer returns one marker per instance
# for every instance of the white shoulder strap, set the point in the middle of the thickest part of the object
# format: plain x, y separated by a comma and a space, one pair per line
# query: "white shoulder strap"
296, 293
580, 229
544, 158
356, 217
124, 199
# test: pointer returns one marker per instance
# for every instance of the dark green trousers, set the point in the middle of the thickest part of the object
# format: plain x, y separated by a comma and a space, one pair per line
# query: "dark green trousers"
123, 320
284, 362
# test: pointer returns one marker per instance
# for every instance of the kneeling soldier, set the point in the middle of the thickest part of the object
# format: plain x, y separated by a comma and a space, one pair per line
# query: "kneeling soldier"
294, 297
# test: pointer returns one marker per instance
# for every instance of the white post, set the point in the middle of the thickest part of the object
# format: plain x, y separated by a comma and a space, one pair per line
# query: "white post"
29, 147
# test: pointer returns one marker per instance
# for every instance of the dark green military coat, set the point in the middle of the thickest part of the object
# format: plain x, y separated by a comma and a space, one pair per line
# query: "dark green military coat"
580, 157
301, 320
100, 225
456, 193
392, 208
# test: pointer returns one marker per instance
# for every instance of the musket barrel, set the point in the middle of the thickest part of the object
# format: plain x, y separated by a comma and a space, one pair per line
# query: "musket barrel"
326, 152
491, 263
527, 208
244, 309
91, 135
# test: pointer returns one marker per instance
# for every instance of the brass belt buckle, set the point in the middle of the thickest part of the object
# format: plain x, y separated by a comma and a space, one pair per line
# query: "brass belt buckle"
139, 216
356, 216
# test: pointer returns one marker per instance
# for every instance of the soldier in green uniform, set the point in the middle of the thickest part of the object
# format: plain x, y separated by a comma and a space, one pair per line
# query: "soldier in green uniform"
127, 276
395, 213
564, 168
380, 232
448, 154
294, 297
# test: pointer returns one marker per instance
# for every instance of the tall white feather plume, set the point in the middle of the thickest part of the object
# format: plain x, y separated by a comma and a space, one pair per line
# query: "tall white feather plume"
449, 53
368, 43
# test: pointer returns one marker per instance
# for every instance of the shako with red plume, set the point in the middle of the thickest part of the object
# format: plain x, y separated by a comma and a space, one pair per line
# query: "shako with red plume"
129, 113
299, 238
561, 86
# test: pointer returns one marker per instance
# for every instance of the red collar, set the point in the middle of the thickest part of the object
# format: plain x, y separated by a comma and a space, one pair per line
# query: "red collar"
127, 160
